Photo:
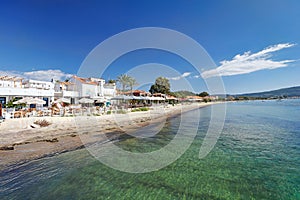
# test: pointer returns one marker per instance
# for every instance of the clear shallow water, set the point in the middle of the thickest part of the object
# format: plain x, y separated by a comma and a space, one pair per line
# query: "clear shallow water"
256, 157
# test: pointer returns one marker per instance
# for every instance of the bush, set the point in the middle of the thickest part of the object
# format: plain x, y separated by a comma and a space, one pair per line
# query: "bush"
144, 109
140, 109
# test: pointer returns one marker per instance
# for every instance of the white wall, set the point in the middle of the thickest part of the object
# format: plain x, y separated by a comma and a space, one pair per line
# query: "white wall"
33, 92
89, 90
109, 92
4, 83
39, 84
94, 91
70, 93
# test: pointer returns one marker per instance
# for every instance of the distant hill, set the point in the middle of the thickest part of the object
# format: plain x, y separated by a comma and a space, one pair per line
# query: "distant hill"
182, 94
284, 92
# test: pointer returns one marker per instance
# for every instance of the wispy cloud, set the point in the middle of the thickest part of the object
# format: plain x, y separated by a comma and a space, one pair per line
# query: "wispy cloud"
42, 75
185, 74
250, 62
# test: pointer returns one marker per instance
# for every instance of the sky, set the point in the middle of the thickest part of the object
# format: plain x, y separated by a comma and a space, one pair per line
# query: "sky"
254, 44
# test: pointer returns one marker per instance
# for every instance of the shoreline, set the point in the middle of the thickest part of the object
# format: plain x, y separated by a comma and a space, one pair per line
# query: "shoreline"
64, 133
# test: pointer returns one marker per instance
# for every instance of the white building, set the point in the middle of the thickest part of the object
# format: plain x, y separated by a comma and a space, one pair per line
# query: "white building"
9, 81
94, 88
44, 85
109, 90
12, 87
66, 90
74, 89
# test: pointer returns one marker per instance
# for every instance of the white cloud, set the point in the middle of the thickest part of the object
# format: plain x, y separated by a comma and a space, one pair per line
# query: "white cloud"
47, 75
42, 75
11, 73
247, 62
185, 74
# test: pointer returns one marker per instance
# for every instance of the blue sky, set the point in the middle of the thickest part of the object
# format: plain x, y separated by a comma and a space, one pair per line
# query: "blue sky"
52, 38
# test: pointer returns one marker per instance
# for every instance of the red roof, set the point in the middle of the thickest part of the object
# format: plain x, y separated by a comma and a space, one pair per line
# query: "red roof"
67, 83
194, 97
85, 80
135, 92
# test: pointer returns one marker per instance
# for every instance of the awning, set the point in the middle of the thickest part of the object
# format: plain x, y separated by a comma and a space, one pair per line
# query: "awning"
122, 97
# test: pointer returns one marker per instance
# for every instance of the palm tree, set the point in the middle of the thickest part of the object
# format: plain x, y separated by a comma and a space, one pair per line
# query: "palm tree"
123, 79
132, 82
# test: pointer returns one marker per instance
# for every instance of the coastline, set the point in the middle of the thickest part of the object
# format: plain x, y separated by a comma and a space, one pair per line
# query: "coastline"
63, 134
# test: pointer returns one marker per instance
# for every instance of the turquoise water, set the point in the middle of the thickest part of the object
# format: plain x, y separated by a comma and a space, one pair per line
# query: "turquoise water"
256, 157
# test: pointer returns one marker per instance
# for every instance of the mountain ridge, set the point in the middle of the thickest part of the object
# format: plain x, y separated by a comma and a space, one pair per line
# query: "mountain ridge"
283, 92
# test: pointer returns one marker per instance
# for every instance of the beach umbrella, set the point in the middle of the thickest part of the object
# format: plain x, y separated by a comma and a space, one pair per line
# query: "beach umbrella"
18, 102
86, 100
25, 100
63, 100
36, 101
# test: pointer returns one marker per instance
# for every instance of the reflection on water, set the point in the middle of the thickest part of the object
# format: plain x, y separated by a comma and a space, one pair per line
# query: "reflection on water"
257, 156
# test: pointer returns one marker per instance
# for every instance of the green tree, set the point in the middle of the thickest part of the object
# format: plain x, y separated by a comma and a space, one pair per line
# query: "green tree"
161, 85
203, 94
111, 81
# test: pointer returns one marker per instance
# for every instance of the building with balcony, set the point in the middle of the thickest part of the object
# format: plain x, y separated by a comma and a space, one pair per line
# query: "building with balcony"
43, 85
74, 89
66, 89
11, 81
94, 88
15, 87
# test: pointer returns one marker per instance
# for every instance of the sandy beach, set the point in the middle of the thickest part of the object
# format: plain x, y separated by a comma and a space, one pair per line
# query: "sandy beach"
22, 141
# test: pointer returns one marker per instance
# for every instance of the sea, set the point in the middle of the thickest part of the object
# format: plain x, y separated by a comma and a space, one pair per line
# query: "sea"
256, 156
